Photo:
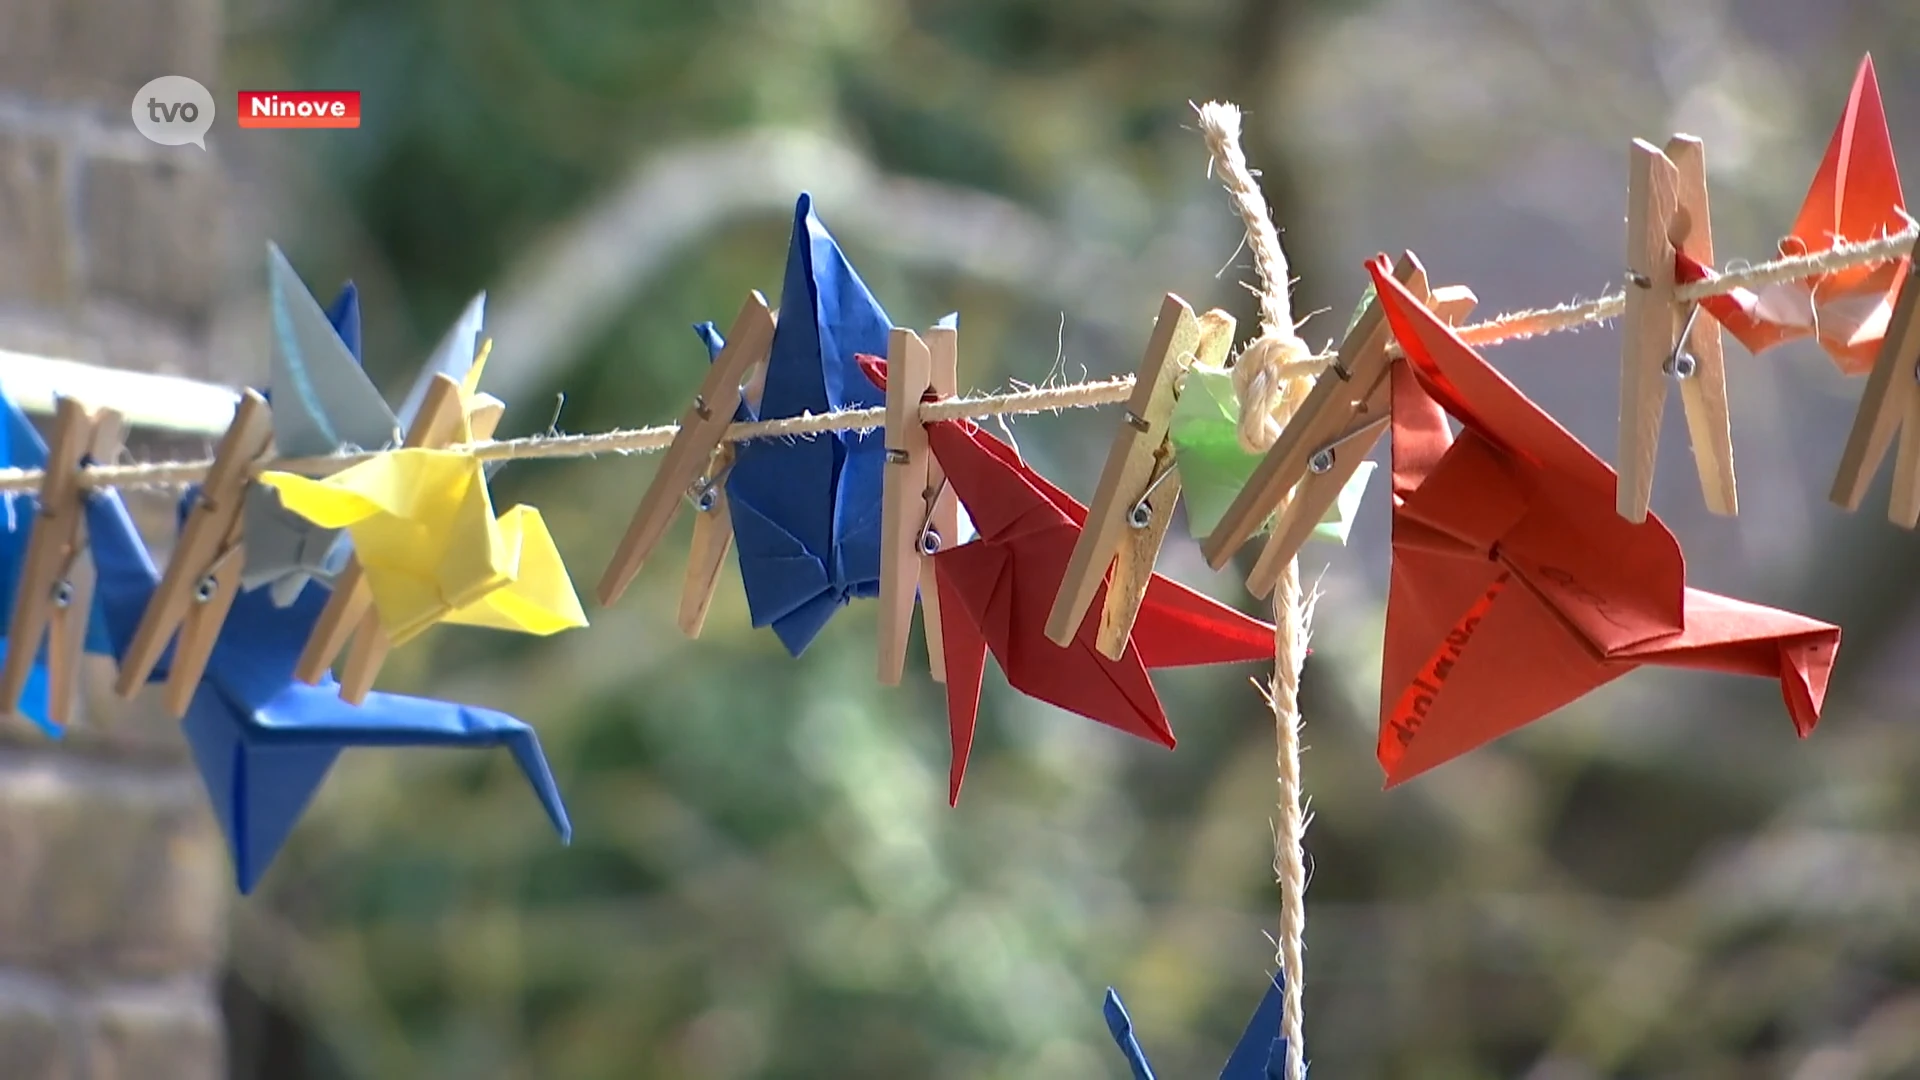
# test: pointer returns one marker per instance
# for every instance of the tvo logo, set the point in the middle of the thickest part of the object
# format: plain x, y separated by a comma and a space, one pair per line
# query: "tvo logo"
173, 110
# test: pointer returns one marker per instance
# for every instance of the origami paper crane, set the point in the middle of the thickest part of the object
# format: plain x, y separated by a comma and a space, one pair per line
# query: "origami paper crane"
425, 533
1260, 1054
1855, 197
996, 591
22, 448
324, 403
806, 512
1214, 466
1516, 587
264, 741
284, 550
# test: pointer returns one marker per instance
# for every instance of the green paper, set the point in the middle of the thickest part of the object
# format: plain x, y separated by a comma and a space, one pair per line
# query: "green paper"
1366, 301
1213, 467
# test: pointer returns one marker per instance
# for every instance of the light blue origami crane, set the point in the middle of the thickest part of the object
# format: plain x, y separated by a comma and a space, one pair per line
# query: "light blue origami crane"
1260, 1055
806, 512
22, 448
323, 402
264, 741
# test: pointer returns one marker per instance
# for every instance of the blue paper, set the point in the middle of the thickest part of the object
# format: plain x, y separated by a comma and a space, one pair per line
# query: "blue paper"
263, 741
1120, 1025
344, 314
22, 448
1260, 1055
806, 512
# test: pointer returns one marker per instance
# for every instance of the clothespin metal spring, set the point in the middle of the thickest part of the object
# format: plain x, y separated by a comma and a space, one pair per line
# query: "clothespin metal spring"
1141, 516
930, 538
704, 492
1323, 458
1680, 363
209, 586
62, 592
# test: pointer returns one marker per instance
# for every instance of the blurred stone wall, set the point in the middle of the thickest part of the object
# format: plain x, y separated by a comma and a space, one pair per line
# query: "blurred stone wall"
113, 880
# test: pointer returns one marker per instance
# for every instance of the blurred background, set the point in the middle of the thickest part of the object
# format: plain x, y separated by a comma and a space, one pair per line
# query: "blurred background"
765, 880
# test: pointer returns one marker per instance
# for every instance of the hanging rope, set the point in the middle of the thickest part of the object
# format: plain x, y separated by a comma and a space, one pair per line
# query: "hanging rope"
1270, 384
1283, 368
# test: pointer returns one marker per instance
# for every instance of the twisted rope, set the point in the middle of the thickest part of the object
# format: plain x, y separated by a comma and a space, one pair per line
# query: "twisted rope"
1270, 386
1514, 326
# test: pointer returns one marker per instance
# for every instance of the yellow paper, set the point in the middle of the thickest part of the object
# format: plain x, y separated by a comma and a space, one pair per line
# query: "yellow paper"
432, 551
541, 599
470, 386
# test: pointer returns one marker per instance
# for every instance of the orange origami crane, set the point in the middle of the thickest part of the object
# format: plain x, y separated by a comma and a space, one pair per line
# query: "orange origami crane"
1516, 587
1855, 198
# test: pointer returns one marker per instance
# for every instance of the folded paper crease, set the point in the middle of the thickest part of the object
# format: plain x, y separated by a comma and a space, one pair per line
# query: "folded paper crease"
1515, 587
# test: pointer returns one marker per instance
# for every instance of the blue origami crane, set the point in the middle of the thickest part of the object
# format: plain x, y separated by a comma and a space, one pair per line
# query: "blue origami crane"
806, 512
21, 448
263, 741
1260, 1055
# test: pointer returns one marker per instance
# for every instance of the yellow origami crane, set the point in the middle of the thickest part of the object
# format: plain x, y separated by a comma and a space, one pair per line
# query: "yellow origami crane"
428, 542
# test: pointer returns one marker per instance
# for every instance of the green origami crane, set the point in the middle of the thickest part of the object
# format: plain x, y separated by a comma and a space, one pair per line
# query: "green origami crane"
1214, 467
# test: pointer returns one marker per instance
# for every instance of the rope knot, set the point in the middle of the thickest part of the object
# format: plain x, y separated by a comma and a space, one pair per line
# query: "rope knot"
1265, 376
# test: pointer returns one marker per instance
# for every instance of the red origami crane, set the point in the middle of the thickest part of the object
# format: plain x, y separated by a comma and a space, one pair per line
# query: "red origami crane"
1855, 198
1516, 587
996, 591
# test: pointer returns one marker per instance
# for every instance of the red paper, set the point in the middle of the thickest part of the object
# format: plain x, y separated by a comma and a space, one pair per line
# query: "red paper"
1516, 587
1855, 197
996, 591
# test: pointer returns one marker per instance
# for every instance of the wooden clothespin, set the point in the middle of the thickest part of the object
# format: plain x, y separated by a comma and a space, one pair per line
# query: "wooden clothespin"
920, 514
1133, 503
1332, 432
701, 428
370, 645
350, 611
1331, 464
54, 596
1667, 214
483, 419
943, 514
203, 576
1890, 404
903, 499
712, 522
712, 539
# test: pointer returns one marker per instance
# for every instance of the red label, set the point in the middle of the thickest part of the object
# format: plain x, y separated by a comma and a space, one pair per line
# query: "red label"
298, 109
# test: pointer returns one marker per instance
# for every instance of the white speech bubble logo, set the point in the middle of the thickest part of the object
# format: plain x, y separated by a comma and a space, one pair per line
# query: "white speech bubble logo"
173, 110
